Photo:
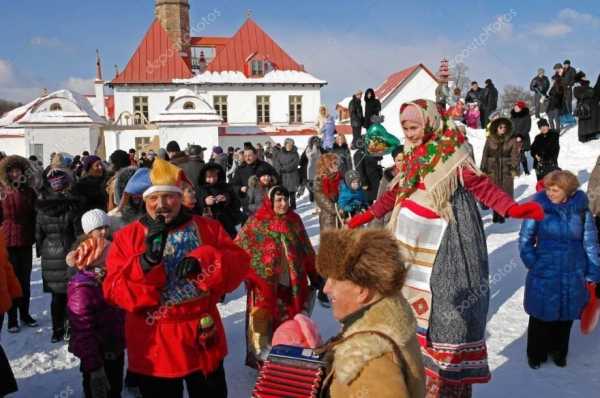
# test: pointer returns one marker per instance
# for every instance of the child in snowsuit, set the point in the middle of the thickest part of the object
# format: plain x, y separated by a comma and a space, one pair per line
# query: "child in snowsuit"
97, 328
352, 199
472, 115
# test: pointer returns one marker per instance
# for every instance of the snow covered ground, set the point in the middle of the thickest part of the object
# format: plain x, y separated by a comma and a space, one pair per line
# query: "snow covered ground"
48, 370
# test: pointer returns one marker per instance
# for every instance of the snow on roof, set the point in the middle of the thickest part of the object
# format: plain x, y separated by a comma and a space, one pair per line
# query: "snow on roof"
74, 109
14, 115
236, 77
345, 103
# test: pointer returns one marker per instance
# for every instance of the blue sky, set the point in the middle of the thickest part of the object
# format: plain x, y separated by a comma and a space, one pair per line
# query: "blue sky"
349, 43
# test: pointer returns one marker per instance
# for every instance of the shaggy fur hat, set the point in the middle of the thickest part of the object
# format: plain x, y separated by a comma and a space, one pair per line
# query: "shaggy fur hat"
367, 257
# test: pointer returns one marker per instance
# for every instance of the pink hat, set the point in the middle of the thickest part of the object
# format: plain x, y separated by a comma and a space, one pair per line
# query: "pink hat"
299, 332
412, 113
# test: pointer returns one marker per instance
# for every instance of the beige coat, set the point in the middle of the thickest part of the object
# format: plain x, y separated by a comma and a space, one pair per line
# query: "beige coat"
365, 365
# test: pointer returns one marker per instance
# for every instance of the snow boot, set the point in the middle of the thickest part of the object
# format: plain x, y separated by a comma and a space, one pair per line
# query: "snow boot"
29, 321
57, 336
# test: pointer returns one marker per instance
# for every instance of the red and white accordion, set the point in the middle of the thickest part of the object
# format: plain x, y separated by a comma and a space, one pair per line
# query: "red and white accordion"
290, 372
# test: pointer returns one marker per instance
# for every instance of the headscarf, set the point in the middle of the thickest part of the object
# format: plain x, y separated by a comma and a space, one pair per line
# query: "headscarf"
435, 160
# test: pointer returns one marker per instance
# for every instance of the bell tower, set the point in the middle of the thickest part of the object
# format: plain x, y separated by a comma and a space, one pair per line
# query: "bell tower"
174, 16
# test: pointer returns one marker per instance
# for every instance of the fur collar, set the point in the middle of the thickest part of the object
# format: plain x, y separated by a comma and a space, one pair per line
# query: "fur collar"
351, 356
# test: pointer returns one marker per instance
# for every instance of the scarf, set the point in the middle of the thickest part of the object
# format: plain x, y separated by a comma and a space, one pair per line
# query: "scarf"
331, 186
434, 162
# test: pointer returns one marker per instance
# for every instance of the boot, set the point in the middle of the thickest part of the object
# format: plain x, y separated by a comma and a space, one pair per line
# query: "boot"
29, 321
57, 335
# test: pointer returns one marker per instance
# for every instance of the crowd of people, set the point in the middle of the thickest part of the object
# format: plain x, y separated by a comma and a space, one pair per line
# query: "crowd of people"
137, 250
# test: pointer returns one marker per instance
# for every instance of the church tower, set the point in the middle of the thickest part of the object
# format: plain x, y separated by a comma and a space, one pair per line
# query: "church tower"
174, 16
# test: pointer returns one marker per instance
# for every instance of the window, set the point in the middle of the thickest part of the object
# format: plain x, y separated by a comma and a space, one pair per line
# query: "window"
55, 107
37, 150
189, 105
220, 105
141, 142
140, 106
295, 109
257, 68
262, 110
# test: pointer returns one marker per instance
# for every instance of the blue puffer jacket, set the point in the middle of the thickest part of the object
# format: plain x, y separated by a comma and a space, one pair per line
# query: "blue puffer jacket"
561, 253
351, 201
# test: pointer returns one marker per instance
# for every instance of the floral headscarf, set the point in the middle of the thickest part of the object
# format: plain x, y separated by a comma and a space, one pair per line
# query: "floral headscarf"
441, 142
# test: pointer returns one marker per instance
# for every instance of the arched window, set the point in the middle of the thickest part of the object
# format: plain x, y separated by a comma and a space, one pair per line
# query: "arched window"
189, 105
55, 107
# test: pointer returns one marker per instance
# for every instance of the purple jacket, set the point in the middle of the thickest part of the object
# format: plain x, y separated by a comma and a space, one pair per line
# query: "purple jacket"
96, 327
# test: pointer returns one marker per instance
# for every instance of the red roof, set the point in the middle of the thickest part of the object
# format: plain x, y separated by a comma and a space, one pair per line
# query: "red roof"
155, 60
395, 80
248, 41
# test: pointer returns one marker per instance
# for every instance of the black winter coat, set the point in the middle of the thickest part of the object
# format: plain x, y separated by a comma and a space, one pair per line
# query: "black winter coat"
556, 95
228, 213
568, 77
91, 190
490, 98
372, 107
540, 85
245, 171
474, 96
343, 153
521, 126
547, 147
57, 228
589, 126
356, 112
370, 173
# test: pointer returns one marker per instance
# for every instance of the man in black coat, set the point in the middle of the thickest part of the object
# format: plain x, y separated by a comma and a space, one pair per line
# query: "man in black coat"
247, 169
540, 85
372, 107
193, 163
568, 80
474, 95
489, 102
370, 171
356, 116
545, 149
216, 198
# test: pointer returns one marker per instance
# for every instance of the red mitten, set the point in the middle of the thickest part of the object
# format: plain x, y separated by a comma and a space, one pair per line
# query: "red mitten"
530, 210
361, 219
539, 186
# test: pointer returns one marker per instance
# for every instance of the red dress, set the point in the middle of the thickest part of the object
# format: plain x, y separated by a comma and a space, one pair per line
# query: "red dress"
163, 339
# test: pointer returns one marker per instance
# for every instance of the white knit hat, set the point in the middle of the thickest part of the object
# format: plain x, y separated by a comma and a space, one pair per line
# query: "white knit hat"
93, 219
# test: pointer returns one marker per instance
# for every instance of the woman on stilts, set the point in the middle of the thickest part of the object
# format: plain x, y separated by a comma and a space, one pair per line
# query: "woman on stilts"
440, 234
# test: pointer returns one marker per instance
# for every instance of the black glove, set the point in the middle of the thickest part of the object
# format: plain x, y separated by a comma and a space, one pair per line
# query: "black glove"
317, 282
598, 290
156, 239
189, 265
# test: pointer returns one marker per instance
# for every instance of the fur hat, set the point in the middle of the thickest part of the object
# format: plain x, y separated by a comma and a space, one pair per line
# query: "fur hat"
10, 162
494, 124
351, 175
367, 257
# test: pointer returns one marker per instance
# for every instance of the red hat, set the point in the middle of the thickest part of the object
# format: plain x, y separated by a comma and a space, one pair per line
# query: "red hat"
521, 104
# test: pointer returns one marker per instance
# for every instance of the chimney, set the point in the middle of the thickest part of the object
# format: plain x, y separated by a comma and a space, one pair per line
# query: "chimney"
174, 16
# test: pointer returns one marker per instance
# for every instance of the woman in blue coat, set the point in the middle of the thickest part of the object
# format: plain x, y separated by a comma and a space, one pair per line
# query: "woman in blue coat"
561, 254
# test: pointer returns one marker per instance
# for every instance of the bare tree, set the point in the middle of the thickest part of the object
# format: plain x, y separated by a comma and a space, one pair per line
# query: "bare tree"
512, 94
458, 74
6, 106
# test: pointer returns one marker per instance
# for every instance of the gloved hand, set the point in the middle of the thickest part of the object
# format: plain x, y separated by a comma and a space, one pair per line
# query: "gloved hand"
361, 219
156, 239
99, 384
530, 210
598, 290
189, 265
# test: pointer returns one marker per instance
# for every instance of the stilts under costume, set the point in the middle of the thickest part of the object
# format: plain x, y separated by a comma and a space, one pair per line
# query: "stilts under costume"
440, 233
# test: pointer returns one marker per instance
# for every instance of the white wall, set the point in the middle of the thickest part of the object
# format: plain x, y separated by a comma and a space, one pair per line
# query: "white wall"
421, 85
124, 140
241, 100
13, 146
72, 140
206, 136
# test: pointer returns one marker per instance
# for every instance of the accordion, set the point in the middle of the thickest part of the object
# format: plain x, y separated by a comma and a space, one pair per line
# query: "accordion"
290, 372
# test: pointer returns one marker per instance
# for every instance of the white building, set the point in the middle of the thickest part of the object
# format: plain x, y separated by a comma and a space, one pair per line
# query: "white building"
63, 121
400, 87
248, 79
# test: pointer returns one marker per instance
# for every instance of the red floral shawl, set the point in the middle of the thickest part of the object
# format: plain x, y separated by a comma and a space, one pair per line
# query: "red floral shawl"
331, 186
273, 241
